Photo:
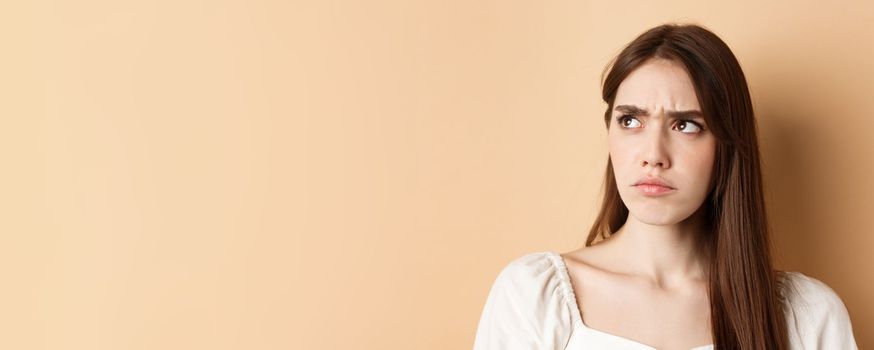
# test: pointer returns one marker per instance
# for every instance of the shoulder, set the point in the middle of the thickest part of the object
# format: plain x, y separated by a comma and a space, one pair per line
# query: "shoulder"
816, 315
527, 306
810, 296
538, 279
537, 266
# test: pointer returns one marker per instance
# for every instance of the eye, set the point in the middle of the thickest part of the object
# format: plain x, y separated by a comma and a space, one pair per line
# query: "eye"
627, 118
684, 125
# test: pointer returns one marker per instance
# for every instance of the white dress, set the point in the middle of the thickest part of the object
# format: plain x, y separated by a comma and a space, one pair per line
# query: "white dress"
531, 305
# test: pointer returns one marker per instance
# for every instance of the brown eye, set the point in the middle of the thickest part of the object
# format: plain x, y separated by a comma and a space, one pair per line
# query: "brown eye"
626, 121
684, 125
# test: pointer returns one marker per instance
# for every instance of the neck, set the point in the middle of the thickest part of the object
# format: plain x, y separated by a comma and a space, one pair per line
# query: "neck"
666, 254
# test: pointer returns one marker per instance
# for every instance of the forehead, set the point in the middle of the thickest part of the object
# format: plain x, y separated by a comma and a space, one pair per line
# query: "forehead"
658, 84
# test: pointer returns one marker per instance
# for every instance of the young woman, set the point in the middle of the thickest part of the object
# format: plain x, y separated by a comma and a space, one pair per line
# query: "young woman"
678, 257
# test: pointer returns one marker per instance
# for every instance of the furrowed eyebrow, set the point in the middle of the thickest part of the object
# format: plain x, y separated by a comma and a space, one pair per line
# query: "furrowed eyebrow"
635, 110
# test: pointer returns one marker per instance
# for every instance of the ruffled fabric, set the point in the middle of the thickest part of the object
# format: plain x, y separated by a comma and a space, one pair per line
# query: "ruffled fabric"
526, 307
816, 316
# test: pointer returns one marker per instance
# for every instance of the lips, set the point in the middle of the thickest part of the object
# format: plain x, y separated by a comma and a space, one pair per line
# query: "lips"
653, 181
653, 190
651, 186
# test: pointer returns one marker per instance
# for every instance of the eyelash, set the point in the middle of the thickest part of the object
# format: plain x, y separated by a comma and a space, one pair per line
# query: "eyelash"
620, 118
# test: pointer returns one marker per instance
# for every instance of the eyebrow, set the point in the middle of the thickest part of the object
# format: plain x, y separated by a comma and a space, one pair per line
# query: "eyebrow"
635, 110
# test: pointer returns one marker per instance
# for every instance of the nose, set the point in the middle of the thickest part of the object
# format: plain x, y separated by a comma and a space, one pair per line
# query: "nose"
655, 150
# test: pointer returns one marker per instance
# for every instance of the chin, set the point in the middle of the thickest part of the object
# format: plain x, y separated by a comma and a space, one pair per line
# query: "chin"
656, 219
658, 214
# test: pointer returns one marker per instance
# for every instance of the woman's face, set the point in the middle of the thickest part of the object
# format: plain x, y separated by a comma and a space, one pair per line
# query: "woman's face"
657, 132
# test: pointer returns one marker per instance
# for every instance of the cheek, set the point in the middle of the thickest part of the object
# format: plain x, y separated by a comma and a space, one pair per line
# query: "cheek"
621, 157
700, 165
618, 148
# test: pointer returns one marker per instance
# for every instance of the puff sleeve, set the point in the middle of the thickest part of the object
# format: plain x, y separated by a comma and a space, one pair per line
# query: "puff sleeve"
816, 317
526, 308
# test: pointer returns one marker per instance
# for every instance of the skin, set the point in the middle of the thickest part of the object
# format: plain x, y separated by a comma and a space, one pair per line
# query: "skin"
647, 283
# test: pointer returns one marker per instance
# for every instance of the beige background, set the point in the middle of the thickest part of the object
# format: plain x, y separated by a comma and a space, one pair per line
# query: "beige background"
353, 174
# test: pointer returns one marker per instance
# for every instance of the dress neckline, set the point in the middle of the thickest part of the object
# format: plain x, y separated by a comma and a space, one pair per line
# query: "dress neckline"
577, 315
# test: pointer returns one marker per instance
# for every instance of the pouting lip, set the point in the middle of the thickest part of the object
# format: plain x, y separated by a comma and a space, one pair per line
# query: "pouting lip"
650, 180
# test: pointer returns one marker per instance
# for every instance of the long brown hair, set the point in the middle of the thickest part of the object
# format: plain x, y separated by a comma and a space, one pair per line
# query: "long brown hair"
746, 306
